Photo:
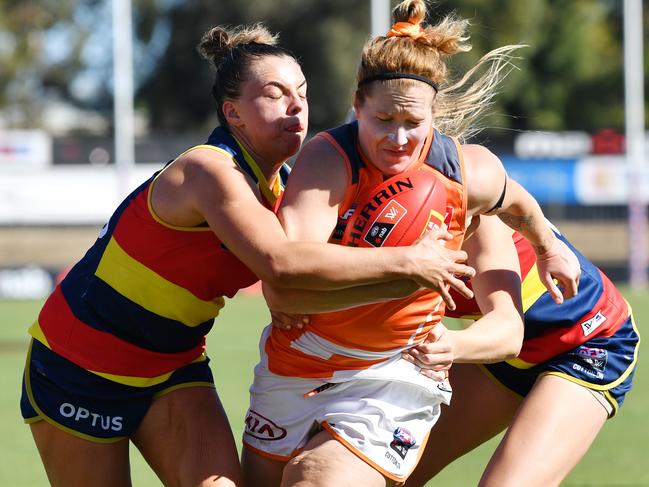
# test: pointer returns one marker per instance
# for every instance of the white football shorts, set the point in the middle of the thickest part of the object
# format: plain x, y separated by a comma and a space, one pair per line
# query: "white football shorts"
383, 414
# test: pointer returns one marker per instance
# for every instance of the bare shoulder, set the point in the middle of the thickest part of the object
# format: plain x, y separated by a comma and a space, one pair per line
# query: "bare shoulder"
205, 162
198, 179
319, 157
478, 156
319, 166
485, 177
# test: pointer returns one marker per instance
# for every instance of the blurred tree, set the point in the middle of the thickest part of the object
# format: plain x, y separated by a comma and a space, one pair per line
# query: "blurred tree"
61, 51
326, 37
570, 76
572, 62
21, 67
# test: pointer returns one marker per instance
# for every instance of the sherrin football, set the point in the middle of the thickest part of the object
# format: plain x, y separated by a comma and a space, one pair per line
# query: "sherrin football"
396, 212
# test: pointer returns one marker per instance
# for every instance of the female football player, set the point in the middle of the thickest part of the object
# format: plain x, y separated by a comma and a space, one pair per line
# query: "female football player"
573, 372
333, 403
118, 348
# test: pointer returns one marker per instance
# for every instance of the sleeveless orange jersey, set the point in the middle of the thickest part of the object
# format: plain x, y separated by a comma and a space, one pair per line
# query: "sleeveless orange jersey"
361, 337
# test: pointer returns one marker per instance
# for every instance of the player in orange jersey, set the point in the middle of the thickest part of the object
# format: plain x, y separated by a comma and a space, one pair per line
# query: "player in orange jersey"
333, 403
118, 350
574, 369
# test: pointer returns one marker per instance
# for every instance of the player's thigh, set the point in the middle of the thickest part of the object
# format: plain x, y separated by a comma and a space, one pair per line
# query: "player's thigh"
260, 470
186, 438
557, 421
326, 462
480, 409
71, 461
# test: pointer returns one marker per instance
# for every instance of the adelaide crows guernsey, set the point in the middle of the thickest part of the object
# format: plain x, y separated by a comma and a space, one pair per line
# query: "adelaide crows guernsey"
138, 305
552, 329
358, 338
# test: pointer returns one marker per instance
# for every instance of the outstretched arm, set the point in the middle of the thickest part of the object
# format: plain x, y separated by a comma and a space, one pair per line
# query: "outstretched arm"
498, 334
206, 186
491, 191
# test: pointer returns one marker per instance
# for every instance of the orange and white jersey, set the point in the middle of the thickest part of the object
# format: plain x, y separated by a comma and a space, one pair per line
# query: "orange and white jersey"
336, 344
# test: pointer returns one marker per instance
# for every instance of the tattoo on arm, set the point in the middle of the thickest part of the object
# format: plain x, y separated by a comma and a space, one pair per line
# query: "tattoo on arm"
516, 222
524, 224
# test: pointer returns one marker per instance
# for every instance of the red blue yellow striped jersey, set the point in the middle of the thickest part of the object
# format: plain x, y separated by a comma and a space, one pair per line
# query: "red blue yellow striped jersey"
138, 305
552, 329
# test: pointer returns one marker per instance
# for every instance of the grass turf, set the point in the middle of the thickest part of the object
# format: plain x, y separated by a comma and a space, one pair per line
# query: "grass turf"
614, 460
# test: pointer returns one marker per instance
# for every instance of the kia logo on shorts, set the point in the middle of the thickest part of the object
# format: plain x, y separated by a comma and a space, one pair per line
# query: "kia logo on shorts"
262, 428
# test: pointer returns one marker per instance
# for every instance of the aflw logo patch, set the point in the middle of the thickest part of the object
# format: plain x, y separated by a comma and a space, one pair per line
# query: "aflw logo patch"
384, 223
589, 326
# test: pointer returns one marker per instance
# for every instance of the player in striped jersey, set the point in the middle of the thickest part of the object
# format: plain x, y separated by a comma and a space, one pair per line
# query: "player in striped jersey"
333, 403
118, 350
573, 371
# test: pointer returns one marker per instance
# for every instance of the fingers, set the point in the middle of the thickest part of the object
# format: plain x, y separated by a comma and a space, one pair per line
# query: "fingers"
446, 296
455, 255
426, 357
462, 270
570, 288
460, 286
286, 321
561, 264
436, 375
436, 333
435, 235
552, 288
444, 235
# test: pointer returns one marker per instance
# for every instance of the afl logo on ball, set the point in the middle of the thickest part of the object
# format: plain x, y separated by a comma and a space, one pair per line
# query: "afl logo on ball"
384, 223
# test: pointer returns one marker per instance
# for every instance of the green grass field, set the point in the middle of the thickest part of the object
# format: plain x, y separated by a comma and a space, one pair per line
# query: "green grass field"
615, 460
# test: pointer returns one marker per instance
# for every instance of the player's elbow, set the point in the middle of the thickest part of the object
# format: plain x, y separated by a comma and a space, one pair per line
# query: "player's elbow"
513, 341
278, 271
512, 351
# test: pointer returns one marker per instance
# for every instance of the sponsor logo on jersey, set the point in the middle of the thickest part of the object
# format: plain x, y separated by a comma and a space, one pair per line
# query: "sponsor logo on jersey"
435, 220
83, 415
262, 428
402, 441
589, 326
448, 217
595, 357
393, 459
350, 211
444, 386
341, 223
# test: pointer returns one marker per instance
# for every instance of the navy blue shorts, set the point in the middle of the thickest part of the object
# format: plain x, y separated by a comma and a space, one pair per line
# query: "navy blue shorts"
604, 364
87, 405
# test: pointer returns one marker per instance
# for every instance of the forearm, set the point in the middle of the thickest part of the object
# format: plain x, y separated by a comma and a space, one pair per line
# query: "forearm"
318, 266
523, 214
303, 301
493, 338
